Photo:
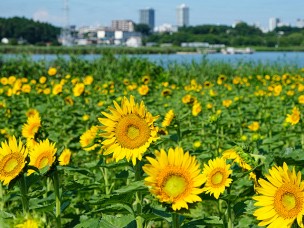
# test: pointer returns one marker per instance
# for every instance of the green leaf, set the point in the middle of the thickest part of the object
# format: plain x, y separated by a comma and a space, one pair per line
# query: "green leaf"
132, 187
239, 208
91, 223
117, 221
6, 215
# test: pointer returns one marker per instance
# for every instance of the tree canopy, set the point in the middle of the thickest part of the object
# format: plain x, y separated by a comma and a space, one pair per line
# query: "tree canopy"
30, 31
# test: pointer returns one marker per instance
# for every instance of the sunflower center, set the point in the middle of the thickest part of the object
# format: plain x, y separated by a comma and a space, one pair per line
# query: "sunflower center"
43, 160
217, 178
132, 131
11, 164
288, 201
175, 185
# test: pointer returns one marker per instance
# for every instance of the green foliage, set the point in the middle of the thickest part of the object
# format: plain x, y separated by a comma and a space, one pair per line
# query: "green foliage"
30, 31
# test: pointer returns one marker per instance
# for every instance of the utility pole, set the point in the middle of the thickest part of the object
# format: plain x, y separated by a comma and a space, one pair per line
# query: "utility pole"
66, 37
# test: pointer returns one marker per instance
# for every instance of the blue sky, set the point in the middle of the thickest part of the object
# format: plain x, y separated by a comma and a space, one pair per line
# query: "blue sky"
101, 12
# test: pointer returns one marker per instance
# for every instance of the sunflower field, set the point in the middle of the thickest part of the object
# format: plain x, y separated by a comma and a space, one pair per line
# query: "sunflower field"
125, 142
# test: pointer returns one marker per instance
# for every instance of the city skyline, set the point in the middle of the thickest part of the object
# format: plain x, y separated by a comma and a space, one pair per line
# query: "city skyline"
101, 13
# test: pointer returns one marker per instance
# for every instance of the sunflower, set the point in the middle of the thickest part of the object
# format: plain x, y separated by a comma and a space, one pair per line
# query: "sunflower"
196, 108
32, 112
174, 178
31, 127
78, 89
294, 117
242, 159
29, 223
128, 130
143, 90
65, 156
42, 155
12, 159
217, 178
166, 92
280, 198
146, 79
52, 71
88, 137
168, 118
254, 126
57, 89
227, 103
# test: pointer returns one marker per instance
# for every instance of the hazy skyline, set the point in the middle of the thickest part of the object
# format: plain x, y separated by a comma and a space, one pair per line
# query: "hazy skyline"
102, 12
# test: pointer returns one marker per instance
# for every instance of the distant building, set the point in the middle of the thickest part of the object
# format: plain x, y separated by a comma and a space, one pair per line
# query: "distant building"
182, 15
123, 25
166, 28
300, 23
273, 23
147, 16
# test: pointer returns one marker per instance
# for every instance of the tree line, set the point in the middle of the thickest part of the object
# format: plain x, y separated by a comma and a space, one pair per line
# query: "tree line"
240, 35
23, 30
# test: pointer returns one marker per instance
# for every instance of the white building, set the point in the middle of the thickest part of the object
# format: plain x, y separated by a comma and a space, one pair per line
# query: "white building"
166, 28
182, 15
273, 23
300, 23
134, 41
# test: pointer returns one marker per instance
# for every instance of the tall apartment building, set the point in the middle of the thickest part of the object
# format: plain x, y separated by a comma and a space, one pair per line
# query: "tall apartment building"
123, 25
273, 23
147, 16
182, 15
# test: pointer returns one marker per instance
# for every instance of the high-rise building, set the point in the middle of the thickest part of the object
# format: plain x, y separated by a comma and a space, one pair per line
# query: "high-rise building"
123, 25
147, 16
182, 15
273, 23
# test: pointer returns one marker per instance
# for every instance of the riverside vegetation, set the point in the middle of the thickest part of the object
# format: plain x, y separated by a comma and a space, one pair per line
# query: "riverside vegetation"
124, 142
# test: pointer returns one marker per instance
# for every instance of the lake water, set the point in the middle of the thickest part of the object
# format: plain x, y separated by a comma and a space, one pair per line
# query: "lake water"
285, 58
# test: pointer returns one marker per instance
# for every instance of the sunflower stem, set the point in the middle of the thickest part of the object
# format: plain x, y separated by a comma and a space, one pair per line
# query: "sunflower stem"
229, 215
106, 180
23, 191
57, 195
175, 220
1, 197
138, 196
302, 139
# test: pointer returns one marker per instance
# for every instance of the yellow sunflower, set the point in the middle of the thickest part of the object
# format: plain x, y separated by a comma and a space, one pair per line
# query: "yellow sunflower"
31, 127
52, 71
143, 90
196, 108
254, 126
42, 154
128, 130
174, 178
65, 156
12, 159
242, 159
168, 118
216, 174
88, 137
280, 198
29, 223
32, 112
78, 89
294, 117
